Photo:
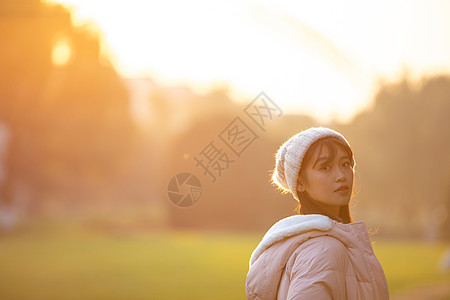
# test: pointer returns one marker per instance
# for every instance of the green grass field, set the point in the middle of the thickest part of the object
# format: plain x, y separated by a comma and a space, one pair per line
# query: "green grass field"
164, 265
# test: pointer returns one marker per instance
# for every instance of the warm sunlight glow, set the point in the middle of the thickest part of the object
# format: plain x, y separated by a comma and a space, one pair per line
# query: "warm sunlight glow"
61, 53
288, 49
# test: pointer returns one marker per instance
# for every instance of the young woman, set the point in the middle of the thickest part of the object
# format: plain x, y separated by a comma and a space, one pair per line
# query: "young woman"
320, 253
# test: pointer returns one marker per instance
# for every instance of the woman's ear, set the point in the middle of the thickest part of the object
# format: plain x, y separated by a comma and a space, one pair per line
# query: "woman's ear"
300, 186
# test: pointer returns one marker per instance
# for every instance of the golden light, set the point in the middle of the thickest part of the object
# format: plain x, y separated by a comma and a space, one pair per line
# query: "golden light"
288, 49
62, 52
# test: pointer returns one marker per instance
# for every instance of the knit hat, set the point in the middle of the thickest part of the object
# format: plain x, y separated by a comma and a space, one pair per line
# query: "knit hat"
290, 156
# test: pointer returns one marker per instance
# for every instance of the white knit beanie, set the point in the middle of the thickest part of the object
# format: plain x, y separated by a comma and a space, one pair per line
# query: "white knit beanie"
290, 156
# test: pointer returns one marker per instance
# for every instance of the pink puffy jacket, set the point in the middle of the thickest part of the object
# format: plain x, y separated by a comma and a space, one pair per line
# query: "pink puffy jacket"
314, 257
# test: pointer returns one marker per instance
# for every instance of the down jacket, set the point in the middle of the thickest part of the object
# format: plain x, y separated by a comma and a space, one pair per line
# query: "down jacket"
314, 257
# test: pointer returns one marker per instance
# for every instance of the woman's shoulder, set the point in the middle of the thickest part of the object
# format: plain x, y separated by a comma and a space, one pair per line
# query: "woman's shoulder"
322, 244
320, 251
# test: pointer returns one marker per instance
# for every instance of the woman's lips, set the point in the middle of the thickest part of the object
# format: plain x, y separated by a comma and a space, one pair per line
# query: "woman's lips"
342, 190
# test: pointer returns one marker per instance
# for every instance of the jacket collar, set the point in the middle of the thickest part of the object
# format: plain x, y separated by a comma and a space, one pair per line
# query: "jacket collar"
288, 227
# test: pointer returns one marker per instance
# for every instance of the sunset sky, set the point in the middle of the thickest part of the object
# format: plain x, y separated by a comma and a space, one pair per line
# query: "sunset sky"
319, 57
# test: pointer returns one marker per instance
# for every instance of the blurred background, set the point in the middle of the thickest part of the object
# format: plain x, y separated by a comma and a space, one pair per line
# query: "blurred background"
102, 103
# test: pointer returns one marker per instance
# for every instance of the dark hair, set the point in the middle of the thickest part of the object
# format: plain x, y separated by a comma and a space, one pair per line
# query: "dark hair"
308, 205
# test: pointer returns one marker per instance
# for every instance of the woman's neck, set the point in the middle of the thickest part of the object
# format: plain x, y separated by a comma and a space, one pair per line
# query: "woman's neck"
310, 206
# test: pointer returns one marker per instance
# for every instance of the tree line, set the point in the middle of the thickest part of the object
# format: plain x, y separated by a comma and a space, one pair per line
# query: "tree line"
70, 145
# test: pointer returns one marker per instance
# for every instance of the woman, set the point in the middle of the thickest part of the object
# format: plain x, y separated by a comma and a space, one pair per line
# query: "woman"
320, 253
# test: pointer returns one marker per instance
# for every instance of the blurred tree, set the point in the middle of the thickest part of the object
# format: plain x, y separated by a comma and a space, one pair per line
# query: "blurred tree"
402, 147
66, 107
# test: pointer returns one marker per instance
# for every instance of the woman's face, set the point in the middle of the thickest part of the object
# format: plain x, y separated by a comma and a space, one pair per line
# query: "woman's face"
329, 182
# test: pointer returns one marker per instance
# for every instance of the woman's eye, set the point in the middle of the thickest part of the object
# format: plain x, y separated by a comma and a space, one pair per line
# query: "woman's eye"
325, 168
348, 164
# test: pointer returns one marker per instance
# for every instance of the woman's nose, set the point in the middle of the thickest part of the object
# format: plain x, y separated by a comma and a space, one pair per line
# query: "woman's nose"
340, 176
